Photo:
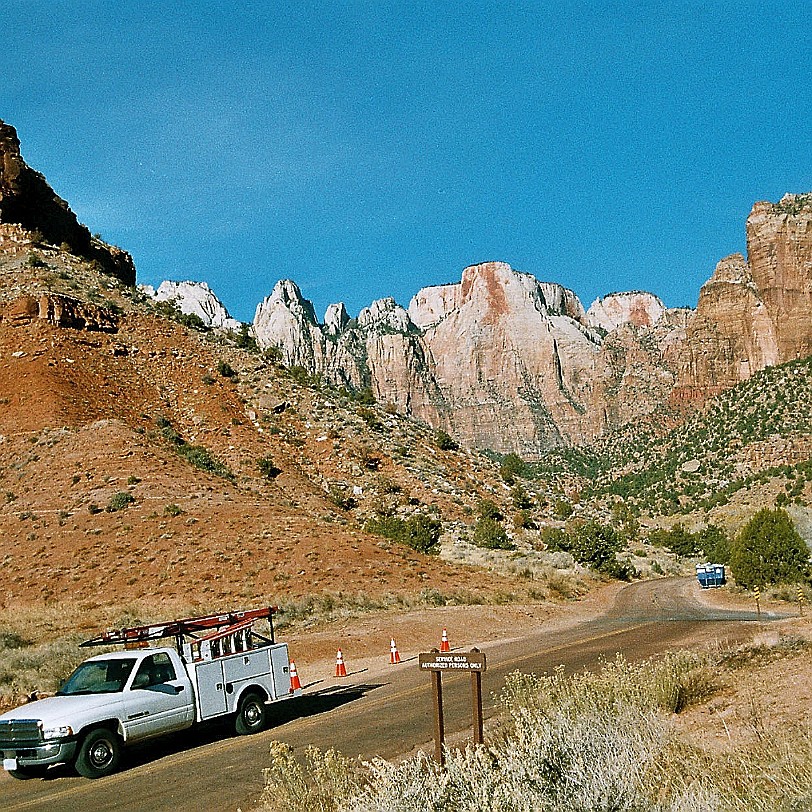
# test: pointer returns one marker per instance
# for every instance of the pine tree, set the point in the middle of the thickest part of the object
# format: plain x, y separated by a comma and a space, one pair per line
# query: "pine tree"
768, 550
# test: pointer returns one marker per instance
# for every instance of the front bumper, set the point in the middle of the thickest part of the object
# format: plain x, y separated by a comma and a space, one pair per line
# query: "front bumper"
39, 755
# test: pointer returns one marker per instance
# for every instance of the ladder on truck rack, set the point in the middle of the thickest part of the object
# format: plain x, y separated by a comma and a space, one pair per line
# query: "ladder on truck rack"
225, 625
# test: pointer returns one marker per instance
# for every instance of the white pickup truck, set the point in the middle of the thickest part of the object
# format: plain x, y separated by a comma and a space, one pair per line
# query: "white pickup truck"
118, 698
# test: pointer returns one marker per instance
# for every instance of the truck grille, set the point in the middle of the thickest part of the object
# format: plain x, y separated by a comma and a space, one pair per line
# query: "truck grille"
17, 732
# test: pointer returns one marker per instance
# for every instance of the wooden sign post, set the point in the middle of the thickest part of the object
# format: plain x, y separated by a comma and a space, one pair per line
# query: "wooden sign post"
438, 662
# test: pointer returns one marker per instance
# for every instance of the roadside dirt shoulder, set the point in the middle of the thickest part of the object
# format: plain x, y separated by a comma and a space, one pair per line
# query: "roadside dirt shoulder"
365, 641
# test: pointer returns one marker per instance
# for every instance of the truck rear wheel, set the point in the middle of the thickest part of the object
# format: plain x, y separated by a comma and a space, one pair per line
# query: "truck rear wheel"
98, 754
252, 715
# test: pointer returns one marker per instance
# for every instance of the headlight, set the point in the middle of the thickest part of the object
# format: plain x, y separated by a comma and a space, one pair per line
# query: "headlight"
56, 732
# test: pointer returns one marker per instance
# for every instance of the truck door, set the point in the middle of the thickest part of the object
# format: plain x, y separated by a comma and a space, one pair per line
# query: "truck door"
211, 691
280, 665
157, 702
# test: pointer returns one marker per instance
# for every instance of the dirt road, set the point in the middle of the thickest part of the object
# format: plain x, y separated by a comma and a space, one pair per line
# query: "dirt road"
379, 710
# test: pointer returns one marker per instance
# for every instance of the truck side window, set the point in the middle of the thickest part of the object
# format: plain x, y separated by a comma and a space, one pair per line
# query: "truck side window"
154, 670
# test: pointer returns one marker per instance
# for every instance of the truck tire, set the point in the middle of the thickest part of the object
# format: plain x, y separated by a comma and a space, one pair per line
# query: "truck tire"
26, 773
252, 715
98, 754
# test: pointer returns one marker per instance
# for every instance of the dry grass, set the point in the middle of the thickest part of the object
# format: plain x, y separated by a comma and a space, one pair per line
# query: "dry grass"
601, 741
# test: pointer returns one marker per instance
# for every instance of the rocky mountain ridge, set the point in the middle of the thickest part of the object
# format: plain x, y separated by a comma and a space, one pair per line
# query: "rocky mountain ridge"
504, 361
28, 202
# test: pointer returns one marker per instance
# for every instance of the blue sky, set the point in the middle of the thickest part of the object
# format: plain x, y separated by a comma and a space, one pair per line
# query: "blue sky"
368, 149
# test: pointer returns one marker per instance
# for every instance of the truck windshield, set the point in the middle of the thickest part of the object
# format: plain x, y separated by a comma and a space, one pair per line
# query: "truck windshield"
98, 677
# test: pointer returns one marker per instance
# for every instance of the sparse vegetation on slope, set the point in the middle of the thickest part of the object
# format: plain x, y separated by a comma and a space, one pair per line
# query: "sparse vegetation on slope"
754, 432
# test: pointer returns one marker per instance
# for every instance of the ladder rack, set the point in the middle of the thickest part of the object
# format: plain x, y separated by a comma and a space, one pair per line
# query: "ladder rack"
135, 635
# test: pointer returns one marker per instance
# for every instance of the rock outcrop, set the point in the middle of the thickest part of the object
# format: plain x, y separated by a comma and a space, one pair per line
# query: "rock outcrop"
61, 311
27, 200
194, 298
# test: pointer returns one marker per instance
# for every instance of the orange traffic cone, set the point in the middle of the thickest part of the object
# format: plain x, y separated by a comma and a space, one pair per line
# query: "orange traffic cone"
394, 655
341, 669
295, 684
444, 644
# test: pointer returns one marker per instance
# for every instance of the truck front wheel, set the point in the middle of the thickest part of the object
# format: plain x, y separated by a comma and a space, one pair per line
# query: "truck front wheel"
252, 715
98, 754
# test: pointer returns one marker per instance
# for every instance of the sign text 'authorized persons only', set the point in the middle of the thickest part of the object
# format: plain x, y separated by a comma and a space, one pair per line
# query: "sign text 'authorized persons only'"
473, 661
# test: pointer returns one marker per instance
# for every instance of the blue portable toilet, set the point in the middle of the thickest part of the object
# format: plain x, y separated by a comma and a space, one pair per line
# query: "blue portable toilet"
710, 575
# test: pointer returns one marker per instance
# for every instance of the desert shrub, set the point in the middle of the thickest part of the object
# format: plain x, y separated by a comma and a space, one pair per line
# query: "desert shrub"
420, 532
624, 520
173, 510
39, 666
768, 550
595, 544
555, 539
341, 497
169, 310
445, 442
682, 542
364, 396
321, 781
487, 509
386, 485
196, 455
246, 341
35, 260
201, 457
301, 376
490, 534
585, 742
520, 498
267, 468
225, 369
12, 640
525, 520
562, 509
369, 459
513, 467
678, 540
369, 416
120, 501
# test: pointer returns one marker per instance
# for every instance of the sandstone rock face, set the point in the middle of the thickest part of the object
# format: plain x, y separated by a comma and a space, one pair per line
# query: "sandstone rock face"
637, 308
779, 251
504, 361
27, 200
335, 319
754, 312
194, 298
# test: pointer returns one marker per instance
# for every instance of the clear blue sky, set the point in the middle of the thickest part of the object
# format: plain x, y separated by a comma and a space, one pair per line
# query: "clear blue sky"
368, 149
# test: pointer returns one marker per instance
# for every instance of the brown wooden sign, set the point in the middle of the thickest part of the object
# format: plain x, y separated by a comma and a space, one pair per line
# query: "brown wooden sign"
437, 662
473, 661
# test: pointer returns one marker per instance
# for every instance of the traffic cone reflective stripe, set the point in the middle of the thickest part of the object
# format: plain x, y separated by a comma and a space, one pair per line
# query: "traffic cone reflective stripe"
341, 669
444, 644
295, 684
394, 655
